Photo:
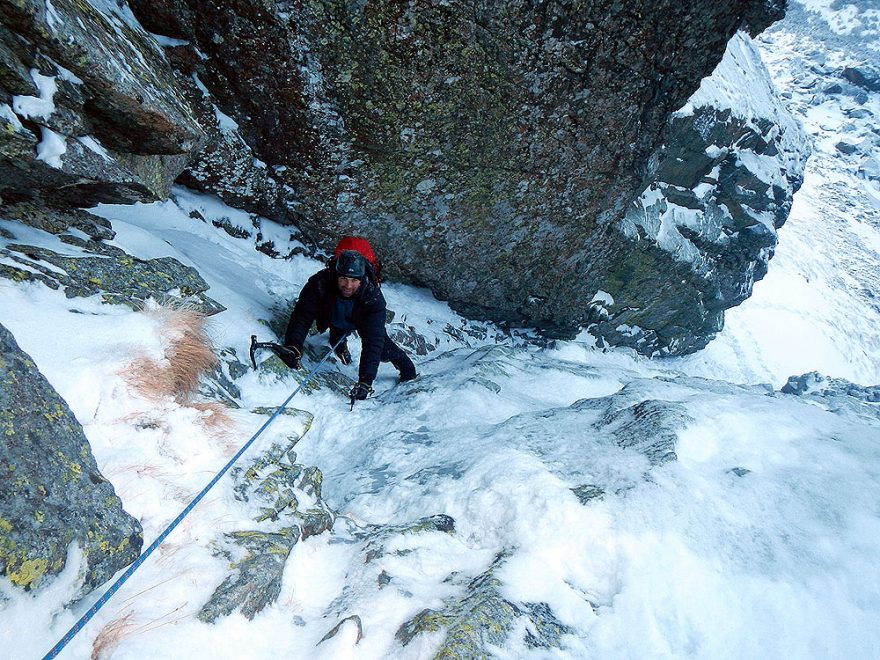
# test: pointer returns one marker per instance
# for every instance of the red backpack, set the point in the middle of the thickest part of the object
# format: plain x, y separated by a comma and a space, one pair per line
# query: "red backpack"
362, 246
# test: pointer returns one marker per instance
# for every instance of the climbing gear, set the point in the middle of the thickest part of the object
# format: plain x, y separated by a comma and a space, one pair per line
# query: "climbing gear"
85, 618
362, 246
359, 392
290, 355
344, 355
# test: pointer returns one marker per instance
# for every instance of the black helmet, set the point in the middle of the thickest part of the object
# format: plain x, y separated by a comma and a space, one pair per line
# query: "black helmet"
350, 263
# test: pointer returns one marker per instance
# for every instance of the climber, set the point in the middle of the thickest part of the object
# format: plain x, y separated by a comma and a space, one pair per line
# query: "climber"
344, 297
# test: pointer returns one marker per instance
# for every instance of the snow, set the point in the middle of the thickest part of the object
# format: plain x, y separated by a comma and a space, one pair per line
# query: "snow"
51, 147
759, 540
93, 145
7, 114
37, 107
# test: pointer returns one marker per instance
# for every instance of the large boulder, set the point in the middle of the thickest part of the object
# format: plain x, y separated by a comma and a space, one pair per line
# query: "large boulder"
52, 494
488, 150
89, 107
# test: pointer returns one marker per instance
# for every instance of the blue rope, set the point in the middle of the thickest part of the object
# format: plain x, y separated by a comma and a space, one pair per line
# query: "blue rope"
85, 618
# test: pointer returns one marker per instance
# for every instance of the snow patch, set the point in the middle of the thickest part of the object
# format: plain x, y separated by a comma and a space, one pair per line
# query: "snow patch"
37, 107
51, 147
93, 145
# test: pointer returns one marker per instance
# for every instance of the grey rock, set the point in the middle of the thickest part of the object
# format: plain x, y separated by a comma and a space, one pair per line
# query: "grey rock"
116, 276
588, 492
51, 491
815, 383
407, 336
722, 188
125, 124
837, 395
483, 619
865, 76
58, 221
285, 498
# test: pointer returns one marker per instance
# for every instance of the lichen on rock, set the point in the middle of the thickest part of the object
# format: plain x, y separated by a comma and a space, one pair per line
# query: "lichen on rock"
482, 619
285, 501
51, 491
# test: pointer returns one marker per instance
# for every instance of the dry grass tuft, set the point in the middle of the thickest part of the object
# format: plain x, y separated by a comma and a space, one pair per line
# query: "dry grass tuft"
189, 355
110, 636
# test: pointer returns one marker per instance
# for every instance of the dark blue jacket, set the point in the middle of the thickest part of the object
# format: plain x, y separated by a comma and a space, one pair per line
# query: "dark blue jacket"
316, 303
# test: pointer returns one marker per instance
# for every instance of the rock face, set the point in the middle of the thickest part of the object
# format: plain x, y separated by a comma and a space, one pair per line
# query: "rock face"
86, 267
51, 492
483, 618
724, 186
488, 151
89, 107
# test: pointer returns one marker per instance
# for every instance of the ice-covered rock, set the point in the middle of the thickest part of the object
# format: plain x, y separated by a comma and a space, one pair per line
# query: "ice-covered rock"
285, 498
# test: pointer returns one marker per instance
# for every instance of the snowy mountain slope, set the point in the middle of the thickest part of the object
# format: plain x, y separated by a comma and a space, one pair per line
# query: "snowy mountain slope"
602, 503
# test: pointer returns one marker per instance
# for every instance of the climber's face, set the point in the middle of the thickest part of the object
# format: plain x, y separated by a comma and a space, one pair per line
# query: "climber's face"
348, 286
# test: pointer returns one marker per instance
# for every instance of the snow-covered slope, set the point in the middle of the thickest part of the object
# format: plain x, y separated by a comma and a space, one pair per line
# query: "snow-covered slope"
601, 504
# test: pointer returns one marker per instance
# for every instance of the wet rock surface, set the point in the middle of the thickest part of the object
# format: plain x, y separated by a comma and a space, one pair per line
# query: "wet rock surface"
51, 491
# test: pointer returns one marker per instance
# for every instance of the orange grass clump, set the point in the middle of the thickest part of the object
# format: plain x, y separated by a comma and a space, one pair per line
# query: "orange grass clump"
188, 355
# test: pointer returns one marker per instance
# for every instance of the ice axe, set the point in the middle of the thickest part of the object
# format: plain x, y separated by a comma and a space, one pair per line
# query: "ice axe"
278, 349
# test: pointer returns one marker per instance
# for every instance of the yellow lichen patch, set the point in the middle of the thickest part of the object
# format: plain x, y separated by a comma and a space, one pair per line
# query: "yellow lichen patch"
30, 571
39, 516
5, 525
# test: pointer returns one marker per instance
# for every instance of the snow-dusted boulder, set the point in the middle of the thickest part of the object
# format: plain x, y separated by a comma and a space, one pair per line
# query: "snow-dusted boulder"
734, 158
285, 500
54, 502
483, 618
84, 267
89, 107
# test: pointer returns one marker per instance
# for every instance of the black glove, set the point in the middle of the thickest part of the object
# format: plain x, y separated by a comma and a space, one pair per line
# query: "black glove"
343, 354
360, 391
290, 355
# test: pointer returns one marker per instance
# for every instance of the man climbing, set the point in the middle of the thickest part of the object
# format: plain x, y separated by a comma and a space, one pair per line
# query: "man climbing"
345, 296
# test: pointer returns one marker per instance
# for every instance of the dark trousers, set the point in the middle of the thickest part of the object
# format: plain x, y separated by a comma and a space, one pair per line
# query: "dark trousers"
391, 352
